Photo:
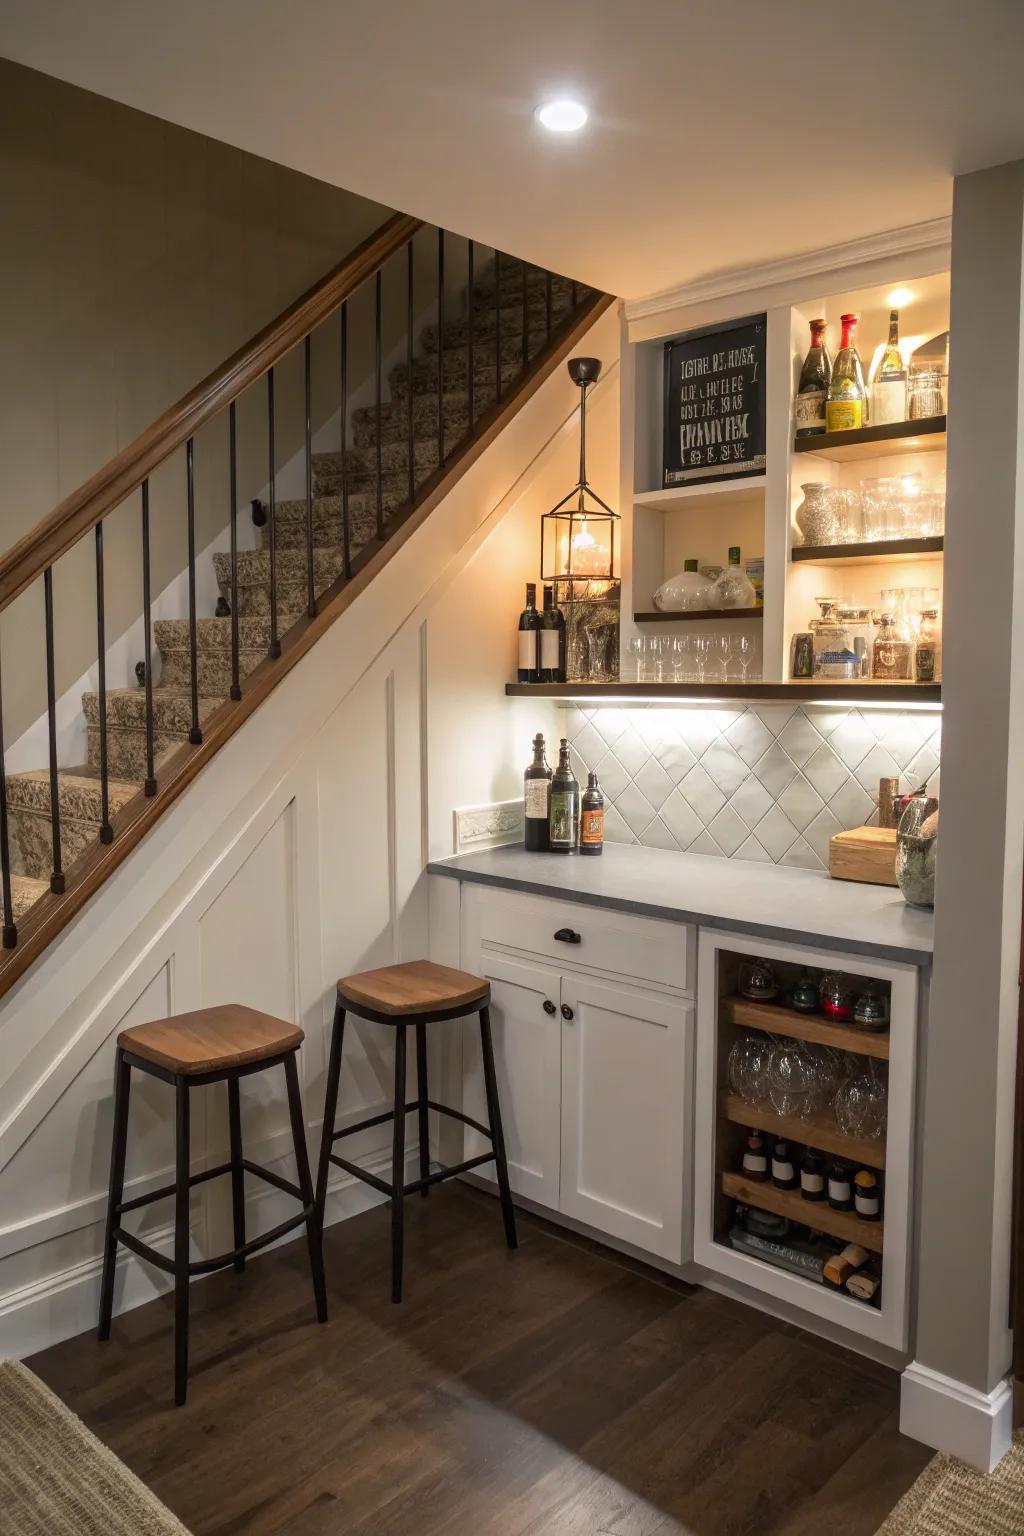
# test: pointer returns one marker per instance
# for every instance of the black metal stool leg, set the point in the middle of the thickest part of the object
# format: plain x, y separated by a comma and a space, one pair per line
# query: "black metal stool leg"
181, 1225
497, 1135
119, 1148
237, 1171
424, 1115
314, 1236
398, 1167
330, 1109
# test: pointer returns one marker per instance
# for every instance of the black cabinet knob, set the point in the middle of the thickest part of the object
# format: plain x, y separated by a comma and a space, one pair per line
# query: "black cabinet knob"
549, 1006
568, 936
567, 1012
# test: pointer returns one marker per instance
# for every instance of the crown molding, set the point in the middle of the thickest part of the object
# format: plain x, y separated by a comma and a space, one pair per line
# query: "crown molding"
933, 234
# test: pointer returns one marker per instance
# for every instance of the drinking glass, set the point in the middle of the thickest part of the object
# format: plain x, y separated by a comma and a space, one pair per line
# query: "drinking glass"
862, 1102
791, 1079
743, 650
659, 669
636, 648
724, 652
702, 655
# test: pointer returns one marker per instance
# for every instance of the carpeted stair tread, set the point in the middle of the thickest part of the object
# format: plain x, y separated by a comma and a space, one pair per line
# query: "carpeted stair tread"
126, 708
79, 797
25, 892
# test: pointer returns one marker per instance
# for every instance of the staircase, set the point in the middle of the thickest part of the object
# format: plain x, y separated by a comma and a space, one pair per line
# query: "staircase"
64, 827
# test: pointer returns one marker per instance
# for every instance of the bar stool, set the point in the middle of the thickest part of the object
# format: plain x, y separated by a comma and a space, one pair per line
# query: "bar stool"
417, 993
212, 1045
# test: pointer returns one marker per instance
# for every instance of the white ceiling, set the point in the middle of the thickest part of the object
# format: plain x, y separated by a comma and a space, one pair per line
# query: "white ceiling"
724, 133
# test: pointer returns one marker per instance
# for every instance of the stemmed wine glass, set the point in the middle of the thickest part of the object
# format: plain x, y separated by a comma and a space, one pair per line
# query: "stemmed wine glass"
636, 647
743, 648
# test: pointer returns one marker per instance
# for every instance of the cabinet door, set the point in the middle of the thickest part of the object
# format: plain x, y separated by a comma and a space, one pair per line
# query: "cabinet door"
626, 1068
527, 1047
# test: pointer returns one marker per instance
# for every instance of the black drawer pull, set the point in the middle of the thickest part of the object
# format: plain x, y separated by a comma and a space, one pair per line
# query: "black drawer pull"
549, 1006
568, 936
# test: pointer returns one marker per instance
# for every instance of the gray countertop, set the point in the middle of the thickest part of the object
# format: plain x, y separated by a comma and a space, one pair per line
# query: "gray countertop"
755, 898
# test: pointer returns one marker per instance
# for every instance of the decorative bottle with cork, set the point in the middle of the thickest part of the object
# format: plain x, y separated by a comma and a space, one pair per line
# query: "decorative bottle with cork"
592, 818
564, 817
846, 405
537, 800
815, 376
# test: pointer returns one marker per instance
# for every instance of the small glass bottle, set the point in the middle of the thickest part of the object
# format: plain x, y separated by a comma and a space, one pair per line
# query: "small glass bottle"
592, 818
892, 656
815, 376
783, 1171
840, 1189
552, 641
529, 638
889, 391
867, 1197
928, 654
755, 1159
846, 404
537, 798
564, 817
812, 1176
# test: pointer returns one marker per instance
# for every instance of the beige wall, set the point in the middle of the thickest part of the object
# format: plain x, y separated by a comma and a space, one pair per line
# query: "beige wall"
136, 257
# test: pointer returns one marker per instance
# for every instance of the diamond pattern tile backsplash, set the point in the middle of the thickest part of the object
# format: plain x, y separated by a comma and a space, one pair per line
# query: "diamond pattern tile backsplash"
772, 782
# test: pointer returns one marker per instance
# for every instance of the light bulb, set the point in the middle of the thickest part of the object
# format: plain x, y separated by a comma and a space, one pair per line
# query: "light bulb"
563, 116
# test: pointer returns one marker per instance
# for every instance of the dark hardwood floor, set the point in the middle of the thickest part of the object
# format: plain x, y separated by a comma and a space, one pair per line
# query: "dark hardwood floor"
553, 1391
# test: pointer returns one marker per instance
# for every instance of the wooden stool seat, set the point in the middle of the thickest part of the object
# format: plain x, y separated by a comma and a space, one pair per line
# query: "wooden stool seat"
211, 1039
419, 987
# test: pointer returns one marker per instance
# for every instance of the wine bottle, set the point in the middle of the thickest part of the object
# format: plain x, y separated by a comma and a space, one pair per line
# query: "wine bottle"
846, 403
592, 817
529, 638
815, 377
734, 554
564, 819
537, 798
889, 391
552, 641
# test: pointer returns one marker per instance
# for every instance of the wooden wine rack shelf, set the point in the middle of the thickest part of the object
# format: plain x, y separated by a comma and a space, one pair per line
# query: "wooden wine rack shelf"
844, 1225
802, 1026
818, 1131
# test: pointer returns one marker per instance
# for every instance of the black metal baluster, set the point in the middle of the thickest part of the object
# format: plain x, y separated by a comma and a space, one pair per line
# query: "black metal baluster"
526, 320
236, 684
195, 735
274, 649
57, 874
310, 583
497, 326
548, 303
346, 535
106, 830
147, 639
411, 398
440, 348
10, 935
377, 365
472, 329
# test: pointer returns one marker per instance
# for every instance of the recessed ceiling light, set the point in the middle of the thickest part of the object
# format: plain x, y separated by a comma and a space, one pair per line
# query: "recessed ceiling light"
900, 298
562, 116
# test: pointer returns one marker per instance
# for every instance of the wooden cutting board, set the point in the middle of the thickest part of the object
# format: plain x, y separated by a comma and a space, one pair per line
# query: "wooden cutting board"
864, 853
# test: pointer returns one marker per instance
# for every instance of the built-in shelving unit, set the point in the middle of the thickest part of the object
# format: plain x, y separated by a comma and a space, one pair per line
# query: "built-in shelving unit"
815, 1130
814, 691
889, 552
747, 491
812, 1027
844, 1225
657, 616
899, 437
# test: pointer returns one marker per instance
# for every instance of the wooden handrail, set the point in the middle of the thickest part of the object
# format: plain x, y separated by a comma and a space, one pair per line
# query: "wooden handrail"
76, 514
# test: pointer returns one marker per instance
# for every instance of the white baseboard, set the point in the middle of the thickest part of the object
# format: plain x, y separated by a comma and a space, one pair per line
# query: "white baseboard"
950, 1416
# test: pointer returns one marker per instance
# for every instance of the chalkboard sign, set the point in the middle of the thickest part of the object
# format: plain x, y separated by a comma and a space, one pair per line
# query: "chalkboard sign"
714, 404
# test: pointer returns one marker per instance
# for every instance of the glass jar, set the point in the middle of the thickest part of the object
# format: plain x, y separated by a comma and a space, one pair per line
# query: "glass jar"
916, 845
758, 981
926, 391
871, 1008
817, 515
836, 996
892, 657
928, 654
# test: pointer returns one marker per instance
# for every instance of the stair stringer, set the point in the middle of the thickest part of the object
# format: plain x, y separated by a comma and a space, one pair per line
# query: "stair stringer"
249, 832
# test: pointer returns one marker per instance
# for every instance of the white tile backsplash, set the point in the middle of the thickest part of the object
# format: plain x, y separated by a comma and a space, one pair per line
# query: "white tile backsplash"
771, 782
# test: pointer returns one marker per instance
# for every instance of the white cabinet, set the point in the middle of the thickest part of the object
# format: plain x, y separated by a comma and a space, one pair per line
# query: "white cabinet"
594, 1073
625, 1107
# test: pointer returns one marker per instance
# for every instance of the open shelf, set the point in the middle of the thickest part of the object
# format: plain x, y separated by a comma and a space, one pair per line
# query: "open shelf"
847, 1226
869, 554
818, 1131
813, 691
926, 436
657, 617
775, 1020
745, 490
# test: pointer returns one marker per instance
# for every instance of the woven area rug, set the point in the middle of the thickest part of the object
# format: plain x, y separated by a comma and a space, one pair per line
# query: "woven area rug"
56, 1479
951, 1499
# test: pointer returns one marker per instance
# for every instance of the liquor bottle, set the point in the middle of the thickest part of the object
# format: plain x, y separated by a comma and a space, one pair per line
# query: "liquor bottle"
889, 391
755, 1158
564, 817
734, 554
815, 377
592, 817
846, 403
783, 1171
867, 1198
840, 1190
812, 1177
552, 640
928, 655
892, 657
537, 797
689, 565
529, 638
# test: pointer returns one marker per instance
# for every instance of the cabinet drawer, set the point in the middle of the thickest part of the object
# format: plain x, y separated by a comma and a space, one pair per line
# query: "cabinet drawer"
644, 948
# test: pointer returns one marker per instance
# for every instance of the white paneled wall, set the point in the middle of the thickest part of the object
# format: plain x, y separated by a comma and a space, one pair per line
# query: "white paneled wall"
772, 782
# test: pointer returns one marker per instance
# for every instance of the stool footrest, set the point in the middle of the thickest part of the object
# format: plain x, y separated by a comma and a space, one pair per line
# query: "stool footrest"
410, 1189
222, 1260
171, 1189
361, 1173
272, 1178
366, 1125
456, 1114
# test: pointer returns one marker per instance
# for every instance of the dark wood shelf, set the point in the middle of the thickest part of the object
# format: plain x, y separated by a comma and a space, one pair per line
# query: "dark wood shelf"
818, 1131
775, 1020
877, 442
847, 1226
657, 617
814, 690
880, 553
